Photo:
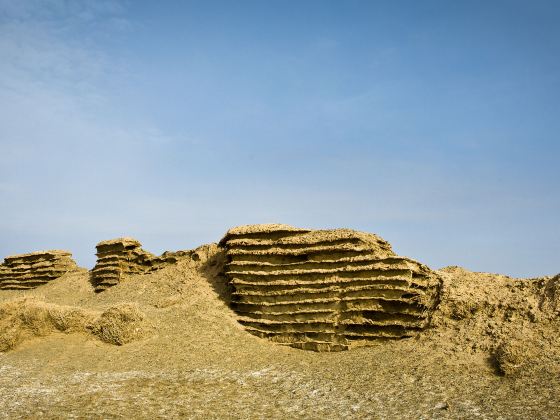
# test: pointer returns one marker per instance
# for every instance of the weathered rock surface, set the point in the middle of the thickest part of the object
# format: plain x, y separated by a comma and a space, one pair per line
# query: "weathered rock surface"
27, 271
325, 290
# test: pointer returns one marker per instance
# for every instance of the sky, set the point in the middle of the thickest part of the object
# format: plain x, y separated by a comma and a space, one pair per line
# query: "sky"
433, 124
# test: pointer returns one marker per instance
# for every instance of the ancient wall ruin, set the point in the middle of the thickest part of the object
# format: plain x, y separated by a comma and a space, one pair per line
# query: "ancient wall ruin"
27, 271
325, 290
124, 256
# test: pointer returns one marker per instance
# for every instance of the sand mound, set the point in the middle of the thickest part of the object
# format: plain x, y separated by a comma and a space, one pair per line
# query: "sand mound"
25, 318
120, 324
512, 355
514, 321
325, 290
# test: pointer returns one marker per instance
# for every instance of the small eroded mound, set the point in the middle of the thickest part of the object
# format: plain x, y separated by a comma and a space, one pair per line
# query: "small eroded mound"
25, 318
120, 324
515, 321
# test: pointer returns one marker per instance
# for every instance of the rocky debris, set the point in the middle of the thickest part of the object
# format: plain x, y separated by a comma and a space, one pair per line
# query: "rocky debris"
325, 290
27, 271
125, 256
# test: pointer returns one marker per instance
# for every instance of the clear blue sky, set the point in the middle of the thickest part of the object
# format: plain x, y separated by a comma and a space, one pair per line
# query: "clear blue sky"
432, 123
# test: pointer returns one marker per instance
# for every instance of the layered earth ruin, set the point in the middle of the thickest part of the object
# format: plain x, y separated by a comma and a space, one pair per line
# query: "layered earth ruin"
27, 271
322, 290
124, 256
325, 290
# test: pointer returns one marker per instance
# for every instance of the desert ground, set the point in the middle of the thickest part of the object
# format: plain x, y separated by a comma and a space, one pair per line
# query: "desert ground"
166, 345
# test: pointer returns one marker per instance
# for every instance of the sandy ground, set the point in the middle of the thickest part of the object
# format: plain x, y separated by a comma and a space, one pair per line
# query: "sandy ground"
492, 352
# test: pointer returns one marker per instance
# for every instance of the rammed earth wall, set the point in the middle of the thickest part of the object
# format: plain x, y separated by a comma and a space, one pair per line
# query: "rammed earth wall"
27, 271
325, 290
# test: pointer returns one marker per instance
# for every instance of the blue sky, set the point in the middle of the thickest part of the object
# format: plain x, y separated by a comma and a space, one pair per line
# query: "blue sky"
434, 124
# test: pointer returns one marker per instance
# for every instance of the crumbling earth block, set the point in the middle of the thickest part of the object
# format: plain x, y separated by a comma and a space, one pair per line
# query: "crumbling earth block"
325, 290
27, 271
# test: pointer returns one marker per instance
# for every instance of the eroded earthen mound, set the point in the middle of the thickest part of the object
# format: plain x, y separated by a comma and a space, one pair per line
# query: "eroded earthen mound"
27, 271
28, 317
325, 290
514, 320
125, 256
